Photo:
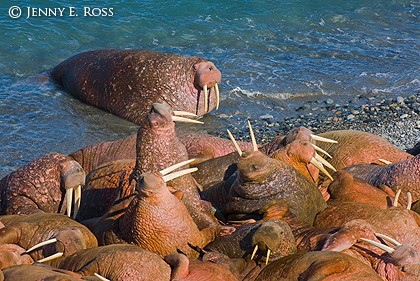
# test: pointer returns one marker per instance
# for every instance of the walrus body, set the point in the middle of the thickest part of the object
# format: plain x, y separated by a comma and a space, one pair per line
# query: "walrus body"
127, 82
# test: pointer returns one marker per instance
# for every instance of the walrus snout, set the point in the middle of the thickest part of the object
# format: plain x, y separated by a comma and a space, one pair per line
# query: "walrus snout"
206, 73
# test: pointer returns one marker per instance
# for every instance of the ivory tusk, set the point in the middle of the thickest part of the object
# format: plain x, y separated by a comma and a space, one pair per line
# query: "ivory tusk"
318, 138
409, 200
254, 252
234, 142
184, 113
185, 120
397, 196
176, 166
379, 245
69, 200
216, 89
268, 256
386, 162
321, 150
100, 277
77, 200
56, 255
324, 162
206, 98
251, 132
319, 166
47, 242
179, 174
389, 239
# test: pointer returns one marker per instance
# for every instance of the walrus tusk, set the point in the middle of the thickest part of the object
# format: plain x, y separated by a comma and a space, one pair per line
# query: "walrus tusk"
185, 120
389, 239
47, 242
409, 201
379, 245
56, 255
254, 252
319, 166
234, 143
386, 162
318, 138
206, 98
176, 166
324, 162
183, 113
268, 256
179, 173
397, 196
251, 132
69, 200
321, 150
77, 199
216, 89
100, 277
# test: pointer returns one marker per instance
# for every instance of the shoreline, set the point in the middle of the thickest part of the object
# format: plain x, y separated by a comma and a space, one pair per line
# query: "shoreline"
394, 119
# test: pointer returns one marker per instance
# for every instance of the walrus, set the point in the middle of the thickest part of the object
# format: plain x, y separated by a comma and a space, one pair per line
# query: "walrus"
127, 82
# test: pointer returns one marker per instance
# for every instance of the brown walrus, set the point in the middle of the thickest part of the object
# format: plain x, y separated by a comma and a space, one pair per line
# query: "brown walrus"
127, 82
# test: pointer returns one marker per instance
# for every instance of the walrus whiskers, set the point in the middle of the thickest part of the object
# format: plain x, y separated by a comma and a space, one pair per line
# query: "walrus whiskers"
176, 166
177, 174
47, 242
379, 245
56, 255
234, 143
251, 132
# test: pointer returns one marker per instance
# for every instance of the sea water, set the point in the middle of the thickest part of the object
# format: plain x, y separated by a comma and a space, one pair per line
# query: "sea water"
273, 55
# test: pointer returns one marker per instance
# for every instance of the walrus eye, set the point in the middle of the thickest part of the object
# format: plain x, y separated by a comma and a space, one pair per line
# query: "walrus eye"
155, 123
211, 68
254, 168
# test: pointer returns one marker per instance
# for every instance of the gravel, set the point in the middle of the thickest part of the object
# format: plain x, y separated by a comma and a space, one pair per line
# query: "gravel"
395, 119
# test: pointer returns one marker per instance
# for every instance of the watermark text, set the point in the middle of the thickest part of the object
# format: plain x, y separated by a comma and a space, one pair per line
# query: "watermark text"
27, 12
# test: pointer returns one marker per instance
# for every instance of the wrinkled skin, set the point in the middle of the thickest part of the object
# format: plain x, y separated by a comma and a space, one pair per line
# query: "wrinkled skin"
358, 220
40, 185
184, 269
204, 146
158, 221
298, 154
275, 235
11, 254
116, 262
327, 266
39, 272
29, 230
356, 147
259, 180
93, 156
101, 188
127, 82
158, 147
346, 188
404, 175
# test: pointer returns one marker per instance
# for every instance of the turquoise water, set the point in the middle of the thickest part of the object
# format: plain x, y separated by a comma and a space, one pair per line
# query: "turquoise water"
273, 55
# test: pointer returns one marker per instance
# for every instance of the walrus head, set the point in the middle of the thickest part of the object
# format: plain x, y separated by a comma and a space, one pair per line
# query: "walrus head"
207, 76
